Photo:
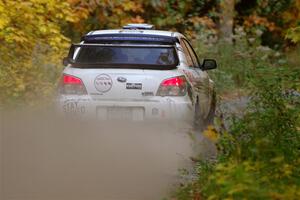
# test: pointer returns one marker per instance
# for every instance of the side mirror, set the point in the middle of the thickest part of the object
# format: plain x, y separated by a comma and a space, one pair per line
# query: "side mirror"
209, 64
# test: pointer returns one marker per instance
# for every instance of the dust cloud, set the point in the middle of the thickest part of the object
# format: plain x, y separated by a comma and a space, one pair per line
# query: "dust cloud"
47, 157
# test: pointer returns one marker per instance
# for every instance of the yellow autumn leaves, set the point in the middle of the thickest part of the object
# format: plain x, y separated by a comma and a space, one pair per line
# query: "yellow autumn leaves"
31, 21
32, 44
211, 133
246, 180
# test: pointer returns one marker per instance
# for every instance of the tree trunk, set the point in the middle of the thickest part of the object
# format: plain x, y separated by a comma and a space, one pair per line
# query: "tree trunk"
227, 13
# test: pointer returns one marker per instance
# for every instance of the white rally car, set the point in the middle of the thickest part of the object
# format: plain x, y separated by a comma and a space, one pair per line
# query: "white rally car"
137, 73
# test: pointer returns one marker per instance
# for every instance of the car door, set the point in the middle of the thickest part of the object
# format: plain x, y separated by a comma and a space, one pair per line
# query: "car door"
199, 78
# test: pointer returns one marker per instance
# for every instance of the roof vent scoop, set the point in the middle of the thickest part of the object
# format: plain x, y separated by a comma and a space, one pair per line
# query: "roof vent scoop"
139, 26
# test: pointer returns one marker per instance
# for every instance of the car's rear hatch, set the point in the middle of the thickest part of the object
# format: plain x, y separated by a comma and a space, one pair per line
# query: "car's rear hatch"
123, 93
121, 84
123, 66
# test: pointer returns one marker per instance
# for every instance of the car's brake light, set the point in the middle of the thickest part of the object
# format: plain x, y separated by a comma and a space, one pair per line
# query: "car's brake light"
71, 85
175, 86
71, 80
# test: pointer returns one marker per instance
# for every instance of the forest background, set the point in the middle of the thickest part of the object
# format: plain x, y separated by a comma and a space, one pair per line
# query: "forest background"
256, 43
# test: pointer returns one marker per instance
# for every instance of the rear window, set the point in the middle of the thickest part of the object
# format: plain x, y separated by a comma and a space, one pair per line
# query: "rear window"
126, 57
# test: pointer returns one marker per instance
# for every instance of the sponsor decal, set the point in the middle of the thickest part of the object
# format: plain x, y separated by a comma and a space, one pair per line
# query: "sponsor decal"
121, 79
73, 107
103, 83
133, 86
147, 93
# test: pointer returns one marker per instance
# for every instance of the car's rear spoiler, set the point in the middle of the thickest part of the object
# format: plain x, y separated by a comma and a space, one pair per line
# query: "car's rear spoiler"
138, 38
122, 45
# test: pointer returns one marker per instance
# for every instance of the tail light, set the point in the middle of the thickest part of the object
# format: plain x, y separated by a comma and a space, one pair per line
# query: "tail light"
71, 85
175, 86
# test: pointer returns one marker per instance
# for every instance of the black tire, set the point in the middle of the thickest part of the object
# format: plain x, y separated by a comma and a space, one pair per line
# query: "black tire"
200, 123
198, 119
211, 115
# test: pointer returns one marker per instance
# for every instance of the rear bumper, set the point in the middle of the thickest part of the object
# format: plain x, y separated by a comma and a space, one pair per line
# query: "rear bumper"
156, 108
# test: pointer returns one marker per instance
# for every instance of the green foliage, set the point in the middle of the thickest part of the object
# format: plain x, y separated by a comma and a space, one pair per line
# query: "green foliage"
237, 62
294, 34
270, 127
272, 8
259, 153
31, 45
253, 180
271, 17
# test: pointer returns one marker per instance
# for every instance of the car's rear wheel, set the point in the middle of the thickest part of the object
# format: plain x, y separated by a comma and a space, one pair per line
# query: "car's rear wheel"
198, 119
199, 122
211, 115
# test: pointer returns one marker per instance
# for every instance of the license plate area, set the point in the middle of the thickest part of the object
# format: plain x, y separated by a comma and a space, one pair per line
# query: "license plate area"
121, 113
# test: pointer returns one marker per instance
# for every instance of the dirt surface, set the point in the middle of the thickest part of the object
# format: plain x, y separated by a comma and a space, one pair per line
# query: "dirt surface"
47, 158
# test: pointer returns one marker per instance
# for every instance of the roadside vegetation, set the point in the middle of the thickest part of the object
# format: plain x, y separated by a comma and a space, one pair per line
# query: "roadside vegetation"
255, 42
258, 152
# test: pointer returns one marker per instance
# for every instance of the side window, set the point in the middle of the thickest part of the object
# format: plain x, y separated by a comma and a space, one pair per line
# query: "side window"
187, 54
192, 53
